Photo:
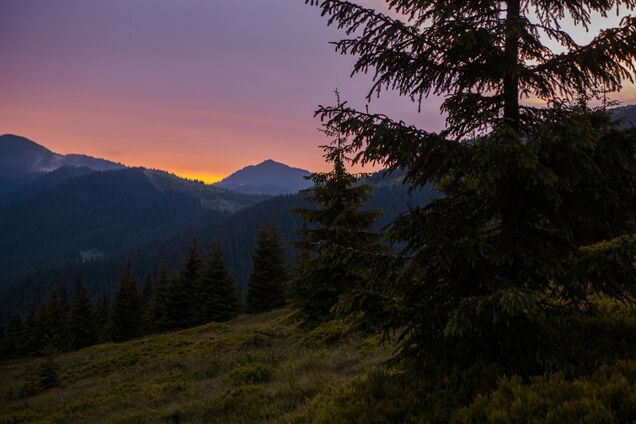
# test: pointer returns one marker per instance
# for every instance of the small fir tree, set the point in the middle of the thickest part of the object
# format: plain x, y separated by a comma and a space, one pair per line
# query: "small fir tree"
125, 312
156, 315
103, 311
34, 344
181, 302
82, 319
266, 284
217, 292
15, 337
146, 294
53, 323
337, 230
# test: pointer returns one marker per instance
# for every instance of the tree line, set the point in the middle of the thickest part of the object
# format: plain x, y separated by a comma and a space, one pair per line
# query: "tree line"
203, 290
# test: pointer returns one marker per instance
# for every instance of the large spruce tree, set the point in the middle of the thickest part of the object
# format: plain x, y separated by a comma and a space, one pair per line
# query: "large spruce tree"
331, 232
218, 297
82, 319
538, 200
266, 284
125, 311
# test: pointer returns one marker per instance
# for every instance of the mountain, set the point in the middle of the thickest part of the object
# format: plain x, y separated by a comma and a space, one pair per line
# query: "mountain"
75, 210
235, 232
268, 177
211, 197
18, 189
26, 167
21, 157
627, 114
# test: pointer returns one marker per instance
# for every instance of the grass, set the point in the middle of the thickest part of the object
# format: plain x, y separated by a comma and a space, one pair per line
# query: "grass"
264, 369
258, 368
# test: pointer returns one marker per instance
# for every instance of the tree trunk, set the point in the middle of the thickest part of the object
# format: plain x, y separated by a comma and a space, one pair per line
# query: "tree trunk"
511, 69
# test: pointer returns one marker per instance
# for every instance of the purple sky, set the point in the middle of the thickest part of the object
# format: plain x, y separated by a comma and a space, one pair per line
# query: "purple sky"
197, 87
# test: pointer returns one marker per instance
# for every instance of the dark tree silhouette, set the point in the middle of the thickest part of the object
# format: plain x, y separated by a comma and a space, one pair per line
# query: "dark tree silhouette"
156, 315
217, 292
538, 203
82, 319
181, 303
125, 311
266, 285
332, 233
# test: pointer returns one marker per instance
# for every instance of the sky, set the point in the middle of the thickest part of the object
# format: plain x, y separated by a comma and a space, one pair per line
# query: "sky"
200, 88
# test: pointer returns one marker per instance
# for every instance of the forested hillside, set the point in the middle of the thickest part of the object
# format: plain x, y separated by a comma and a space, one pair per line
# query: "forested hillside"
236, 234
73, 210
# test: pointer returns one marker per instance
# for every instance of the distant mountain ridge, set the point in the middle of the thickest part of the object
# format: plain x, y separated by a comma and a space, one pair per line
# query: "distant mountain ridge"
20, 157
268, 177
106, 211
54, 207
627, 113
235, 232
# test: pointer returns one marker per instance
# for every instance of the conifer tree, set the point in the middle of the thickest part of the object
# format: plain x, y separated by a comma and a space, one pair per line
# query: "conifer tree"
538, 202
336, 229
103, 310
181, 301
156, 313
82, 319
146, 296
65, 308
146, 293
217, 292
125, 312
2, 335
53, 323
34, 344
266, 284
15, 337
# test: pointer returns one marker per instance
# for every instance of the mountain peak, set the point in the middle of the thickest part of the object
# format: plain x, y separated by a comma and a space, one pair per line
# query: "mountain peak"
268, 177
20, 156
11, 143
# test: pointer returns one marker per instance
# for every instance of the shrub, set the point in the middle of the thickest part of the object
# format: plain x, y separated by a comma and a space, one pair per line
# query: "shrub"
256, 340
252, 373
246, 403
378, 398
606, 396
43, 376
327, 334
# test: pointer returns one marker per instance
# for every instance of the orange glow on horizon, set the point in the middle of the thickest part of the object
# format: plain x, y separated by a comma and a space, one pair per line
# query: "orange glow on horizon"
197, 176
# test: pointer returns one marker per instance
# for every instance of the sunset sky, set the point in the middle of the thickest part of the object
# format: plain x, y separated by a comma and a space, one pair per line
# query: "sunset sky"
197, 87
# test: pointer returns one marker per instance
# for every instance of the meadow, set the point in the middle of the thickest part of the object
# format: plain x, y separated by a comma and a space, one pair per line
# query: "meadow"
257, 368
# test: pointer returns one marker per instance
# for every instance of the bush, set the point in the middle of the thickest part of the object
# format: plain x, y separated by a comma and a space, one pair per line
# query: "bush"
43, 376
327, 334
256, 340
606, 396
378, 398
252, 373
246, 404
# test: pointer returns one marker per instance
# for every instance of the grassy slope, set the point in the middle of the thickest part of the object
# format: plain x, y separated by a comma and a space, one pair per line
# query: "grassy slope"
255, 369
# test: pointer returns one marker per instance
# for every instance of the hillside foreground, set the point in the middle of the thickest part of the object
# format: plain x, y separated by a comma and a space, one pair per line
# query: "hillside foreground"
258, 368
265, 369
